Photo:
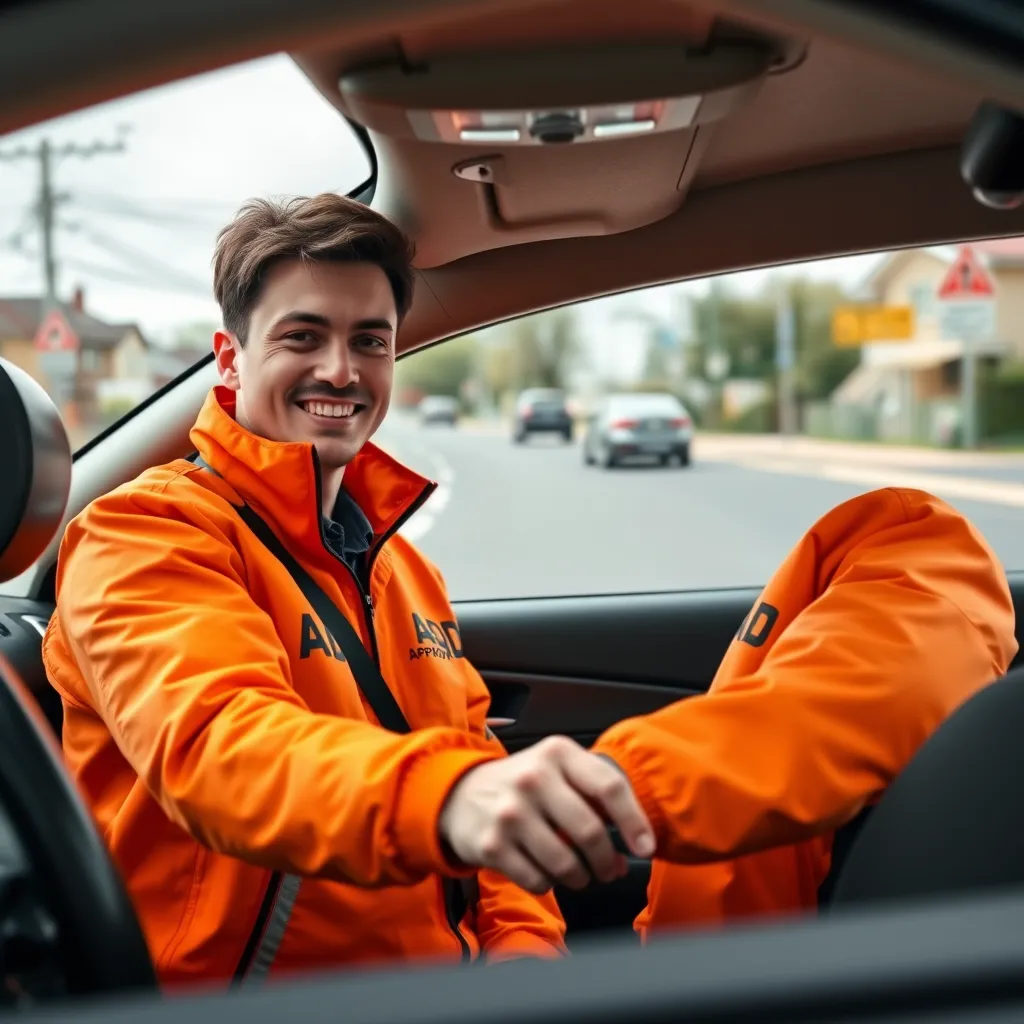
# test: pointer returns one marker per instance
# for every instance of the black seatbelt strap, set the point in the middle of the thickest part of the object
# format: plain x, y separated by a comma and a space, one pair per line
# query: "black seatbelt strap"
367, 676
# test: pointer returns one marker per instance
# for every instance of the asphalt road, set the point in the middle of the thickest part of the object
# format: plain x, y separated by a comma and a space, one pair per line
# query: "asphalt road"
532, 520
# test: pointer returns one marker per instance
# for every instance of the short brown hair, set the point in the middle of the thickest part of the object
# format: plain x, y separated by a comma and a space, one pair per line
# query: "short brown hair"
326, 227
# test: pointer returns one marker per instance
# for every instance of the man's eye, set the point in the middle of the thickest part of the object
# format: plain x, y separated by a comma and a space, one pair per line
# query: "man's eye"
303, 337
371, 340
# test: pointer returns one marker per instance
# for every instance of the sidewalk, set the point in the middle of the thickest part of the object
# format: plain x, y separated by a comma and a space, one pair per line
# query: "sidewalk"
872, 465
726, 446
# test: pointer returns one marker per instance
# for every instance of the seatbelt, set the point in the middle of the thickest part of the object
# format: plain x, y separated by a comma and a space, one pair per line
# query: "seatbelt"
458, 897
367, 676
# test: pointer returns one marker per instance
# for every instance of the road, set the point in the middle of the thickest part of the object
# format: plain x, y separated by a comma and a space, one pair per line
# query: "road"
520, 521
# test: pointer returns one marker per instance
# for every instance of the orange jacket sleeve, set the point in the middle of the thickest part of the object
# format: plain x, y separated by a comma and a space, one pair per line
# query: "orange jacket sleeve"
510, 922
190, 677
888, 614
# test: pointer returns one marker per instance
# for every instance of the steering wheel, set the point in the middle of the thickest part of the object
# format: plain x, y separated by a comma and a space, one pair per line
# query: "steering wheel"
67, 926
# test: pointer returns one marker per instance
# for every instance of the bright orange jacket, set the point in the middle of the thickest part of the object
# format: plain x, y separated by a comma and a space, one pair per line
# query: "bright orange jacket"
217, 738
889, 613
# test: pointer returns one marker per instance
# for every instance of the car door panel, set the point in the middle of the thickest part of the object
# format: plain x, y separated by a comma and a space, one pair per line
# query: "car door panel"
674, 639
537, 705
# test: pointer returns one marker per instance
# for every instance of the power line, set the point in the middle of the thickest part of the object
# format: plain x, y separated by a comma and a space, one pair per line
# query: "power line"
45, 153
138, 257
126, 277
118, 207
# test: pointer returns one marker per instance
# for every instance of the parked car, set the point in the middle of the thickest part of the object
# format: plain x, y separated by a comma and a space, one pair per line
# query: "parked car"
542, 411
439, 409
651, 425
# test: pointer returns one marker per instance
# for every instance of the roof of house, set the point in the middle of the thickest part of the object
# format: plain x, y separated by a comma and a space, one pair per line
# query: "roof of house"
995, 253
170, 362
20, 319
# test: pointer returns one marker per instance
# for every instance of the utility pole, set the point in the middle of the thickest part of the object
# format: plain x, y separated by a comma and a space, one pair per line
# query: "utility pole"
785, 359
45, 153
60, 367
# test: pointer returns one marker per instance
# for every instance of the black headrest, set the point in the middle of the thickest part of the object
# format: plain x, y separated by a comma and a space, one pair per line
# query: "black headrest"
35, 470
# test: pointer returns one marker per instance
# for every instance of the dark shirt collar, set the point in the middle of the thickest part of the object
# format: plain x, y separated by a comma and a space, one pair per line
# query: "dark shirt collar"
347, 531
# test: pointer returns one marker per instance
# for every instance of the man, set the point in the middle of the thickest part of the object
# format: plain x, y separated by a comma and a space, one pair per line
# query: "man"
889, 613
213, 720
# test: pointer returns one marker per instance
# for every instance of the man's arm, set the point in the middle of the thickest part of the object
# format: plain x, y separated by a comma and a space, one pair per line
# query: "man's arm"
191, 678
510, 922
913, 614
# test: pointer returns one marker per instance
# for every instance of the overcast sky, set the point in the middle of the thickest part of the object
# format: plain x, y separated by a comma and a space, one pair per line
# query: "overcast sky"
138, 227
194, 151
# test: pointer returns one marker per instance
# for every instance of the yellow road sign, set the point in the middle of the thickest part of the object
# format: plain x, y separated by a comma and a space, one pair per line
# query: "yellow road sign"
855, 325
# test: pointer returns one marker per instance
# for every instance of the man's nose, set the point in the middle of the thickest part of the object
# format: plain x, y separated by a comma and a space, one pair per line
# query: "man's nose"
336, 366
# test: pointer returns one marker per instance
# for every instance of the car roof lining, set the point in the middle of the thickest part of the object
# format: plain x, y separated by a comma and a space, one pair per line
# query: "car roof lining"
752, 207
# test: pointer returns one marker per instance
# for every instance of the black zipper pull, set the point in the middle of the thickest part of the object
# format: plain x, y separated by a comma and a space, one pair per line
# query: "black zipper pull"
367, 597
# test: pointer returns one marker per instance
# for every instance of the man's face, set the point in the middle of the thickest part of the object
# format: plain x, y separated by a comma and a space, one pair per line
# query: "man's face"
318, 361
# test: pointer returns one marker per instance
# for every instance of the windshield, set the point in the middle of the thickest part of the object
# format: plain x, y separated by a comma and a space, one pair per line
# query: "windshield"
645, 405
109, 217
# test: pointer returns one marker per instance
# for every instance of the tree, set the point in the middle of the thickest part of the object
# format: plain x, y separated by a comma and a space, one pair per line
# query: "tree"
745, 329
534, 351
742, 328
545, 345
821, 366
196, 336
441, 369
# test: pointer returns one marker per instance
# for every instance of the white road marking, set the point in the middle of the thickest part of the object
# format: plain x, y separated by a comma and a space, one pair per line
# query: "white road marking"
423, 521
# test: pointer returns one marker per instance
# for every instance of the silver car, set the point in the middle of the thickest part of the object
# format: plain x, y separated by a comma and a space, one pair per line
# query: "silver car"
639, 425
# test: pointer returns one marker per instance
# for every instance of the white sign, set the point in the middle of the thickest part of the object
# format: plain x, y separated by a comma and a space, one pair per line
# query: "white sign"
968, 319
59, 364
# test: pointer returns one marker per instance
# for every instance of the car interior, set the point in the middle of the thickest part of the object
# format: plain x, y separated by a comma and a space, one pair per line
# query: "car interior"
736, 135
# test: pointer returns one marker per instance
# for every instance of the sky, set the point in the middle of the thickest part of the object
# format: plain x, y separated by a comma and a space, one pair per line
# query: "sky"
137, 228
194, 151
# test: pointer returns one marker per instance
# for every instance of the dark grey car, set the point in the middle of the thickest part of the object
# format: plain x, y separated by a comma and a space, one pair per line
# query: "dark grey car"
541, 411
639, 425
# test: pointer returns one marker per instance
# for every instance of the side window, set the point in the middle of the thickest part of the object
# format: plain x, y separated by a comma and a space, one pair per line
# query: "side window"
740, 410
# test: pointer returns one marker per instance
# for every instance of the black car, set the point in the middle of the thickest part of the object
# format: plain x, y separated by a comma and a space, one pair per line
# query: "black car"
542, 411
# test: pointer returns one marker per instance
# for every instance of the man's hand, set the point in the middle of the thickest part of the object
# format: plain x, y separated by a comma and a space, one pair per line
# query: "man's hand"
541, 817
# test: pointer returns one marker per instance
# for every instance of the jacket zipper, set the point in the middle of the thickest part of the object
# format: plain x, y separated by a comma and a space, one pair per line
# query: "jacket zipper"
447, 884
260, 926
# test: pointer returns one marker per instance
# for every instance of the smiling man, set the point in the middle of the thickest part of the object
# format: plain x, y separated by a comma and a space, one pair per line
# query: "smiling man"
281, 785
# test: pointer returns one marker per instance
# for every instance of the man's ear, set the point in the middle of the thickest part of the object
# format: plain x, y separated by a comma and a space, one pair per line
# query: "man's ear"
226, 352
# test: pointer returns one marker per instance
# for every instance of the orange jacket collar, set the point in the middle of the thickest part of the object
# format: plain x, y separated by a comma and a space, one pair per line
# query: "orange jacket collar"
280, 478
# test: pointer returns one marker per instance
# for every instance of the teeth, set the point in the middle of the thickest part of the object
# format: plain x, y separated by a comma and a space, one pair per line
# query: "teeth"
336, 409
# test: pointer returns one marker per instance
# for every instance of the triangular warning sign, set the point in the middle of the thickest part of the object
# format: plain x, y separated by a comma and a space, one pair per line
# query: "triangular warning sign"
967, 278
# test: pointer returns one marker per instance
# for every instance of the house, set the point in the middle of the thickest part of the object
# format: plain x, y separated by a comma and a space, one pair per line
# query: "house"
910, 390
79, 359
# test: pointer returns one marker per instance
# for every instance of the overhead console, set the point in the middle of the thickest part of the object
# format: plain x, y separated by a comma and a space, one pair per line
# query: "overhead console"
597, 93
484, 143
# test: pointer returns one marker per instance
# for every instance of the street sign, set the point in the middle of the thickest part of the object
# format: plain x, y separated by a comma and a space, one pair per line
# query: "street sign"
967, 278
860, 324
967, 296
55, 335
967, 293
968, 320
